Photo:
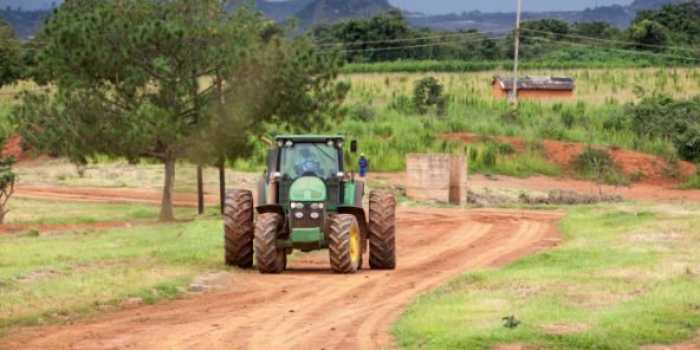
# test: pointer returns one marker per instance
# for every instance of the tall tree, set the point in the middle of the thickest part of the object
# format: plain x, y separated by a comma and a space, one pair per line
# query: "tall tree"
127, 78
281, 84
10, 55
649, 35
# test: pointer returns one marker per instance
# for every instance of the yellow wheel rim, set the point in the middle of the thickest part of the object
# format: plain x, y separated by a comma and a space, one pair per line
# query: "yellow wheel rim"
355, 244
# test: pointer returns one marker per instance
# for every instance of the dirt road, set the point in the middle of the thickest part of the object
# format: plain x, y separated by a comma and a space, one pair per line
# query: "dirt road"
308, 307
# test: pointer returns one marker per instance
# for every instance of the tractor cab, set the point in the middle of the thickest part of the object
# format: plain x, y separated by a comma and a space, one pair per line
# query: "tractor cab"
307, 201
300, 164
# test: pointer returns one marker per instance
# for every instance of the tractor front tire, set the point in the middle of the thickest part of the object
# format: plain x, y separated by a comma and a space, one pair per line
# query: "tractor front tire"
345, 244
269, 258
382, 227
238, 228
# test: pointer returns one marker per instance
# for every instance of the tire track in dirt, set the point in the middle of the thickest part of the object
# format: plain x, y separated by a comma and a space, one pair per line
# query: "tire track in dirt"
308, 307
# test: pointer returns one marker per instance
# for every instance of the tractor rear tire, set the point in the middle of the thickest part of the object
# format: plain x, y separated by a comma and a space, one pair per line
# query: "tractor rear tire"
238, 228
382, 227
345, 244
269, 258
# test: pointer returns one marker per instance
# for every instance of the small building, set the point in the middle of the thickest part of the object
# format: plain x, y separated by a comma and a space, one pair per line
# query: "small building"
535, 87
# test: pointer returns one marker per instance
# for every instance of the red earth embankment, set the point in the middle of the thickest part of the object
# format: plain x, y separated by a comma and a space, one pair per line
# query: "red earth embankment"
649, 168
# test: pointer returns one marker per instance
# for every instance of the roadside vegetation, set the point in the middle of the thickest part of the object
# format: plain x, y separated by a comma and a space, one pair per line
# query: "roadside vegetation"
626, 276
47, 278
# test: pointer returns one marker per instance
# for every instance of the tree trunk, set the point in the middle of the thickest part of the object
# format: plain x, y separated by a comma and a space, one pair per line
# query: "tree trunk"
166, 207
200, 190
222, 185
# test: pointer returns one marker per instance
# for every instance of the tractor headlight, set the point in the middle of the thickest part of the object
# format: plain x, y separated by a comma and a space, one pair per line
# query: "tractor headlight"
317, 206
315, 215
297, 205
299, 215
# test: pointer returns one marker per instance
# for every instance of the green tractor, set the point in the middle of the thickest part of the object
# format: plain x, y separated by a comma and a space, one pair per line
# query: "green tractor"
308, 201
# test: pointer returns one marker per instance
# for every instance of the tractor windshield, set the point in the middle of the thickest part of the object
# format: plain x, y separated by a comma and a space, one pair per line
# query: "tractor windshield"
309, 159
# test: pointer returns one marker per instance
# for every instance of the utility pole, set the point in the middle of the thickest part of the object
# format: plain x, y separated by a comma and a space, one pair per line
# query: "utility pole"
517, 53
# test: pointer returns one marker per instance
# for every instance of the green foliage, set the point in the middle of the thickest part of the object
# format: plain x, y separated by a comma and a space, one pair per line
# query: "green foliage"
10, 55
682, 20
427, 93
127, 77
597, 164
648, 34
693, 183
676, 120
130, 81
547, 43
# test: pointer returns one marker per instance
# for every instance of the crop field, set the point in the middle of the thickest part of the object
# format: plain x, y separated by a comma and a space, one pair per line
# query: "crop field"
593, 86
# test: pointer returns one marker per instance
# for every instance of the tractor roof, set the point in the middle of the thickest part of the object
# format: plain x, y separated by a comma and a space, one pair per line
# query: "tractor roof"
309, 138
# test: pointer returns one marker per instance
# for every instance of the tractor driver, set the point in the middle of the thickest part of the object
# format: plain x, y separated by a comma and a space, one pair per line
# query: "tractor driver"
307, 164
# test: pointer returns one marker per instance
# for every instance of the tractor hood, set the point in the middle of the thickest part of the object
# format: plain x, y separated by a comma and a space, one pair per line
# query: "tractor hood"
308, 189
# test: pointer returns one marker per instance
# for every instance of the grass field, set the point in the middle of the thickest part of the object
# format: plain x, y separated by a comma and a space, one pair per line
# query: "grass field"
627, 276
58, 277
119, 173
39, 212
593, 86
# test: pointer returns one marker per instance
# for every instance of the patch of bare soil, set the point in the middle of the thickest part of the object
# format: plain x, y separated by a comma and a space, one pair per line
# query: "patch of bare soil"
564, 328
544, 184
309, 307
13, 147
650, 169
690, 345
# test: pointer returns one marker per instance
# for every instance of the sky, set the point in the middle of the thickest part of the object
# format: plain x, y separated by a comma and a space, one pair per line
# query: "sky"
446, 6
433, 6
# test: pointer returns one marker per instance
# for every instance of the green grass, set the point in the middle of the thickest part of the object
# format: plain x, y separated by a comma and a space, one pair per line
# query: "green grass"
121, 174
627, 276
693, 183
29, 211
56, 278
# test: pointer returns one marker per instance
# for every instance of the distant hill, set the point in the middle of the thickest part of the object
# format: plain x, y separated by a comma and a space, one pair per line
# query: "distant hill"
310, 13
313, 12
616, 15
639, 5
25, 23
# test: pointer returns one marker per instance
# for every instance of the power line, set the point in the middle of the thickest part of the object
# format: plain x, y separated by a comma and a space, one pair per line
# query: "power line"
390, 48
429, 37
620, 50
692, 49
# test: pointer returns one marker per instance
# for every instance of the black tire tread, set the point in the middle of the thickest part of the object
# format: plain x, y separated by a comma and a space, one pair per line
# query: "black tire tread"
238, 228
382, 227
339, 243
268, 258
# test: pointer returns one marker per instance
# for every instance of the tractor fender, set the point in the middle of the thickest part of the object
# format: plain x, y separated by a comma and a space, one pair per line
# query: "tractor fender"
270, 208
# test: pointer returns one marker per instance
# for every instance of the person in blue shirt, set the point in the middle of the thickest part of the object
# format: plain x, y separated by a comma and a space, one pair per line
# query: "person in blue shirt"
364, 165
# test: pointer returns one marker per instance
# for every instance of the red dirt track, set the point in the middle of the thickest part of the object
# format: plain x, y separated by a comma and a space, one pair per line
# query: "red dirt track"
308, 307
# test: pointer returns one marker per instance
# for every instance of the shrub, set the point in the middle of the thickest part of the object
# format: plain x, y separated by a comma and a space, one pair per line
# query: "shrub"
568, 119
687, 141
597, 164
361, 112
427, 93
402, 104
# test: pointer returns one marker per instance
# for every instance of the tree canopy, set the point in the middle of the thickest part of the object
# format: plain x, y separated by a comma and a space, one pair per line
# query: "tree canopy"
10, 55
132, 78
